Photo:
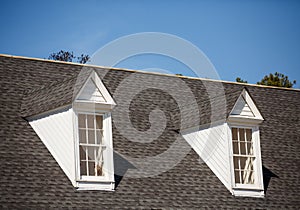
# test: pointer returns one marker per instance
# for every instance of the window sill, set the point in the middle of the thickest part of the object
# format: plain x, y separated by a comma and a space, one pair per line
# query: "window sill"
247, 187
96, 185
243, 192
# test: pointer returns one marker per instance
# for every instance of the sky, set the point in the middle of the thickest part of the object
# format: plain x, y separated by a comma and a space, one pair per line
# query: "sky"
247, 39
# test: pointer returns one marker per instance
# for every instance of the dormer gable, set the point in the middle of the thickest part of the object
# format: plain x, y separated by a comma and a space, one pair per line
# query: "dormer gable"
90, 92
93, 93
245, 110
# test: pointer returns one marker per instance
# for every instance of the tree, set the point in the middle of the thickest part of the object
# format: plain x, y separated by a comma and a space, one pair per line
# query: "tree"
83, 58
278, 79
238, 79
68, 57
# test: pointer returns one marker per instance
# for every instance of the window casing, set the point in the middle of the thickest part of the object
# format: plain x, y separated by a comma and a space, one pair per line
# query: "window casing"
243, 156
246, 159
94, 159
91, 145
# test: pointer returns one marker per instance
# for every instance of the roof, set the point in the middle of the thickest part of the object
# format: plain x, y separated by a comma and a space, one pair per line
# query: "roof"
31, 178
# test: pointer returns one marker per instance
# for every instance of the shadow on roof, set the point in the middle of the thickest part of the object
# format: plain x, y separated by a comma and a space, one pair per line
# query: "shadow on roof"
267, 175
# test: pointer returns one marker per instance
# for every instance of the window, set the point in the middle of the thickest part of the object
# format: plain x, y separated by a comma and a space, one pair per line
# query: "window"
91, 144
246, 165
243, 156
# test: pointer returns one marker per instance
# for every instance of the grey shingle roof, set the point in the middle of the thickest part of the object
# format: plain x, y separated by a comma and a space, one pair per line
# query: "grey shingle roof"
31, 178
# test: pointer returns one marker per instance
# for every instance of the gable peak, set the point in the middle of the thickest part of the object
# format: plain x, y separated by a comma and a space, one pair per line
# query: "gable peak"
245, 109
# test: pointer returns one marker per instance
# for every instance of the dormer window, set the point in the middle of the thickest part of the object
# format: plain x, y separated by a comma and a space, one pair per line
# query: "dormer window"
245, 156
91, 145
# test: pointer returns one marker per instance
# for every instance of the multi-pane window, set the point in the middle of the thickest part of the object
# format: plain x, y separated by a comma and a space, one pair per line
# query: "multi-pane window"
91, 145
243, 155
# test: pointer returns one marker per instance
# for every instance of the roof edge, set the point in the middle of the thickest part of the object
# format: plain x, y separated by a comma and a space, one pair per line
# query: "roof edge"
144, 72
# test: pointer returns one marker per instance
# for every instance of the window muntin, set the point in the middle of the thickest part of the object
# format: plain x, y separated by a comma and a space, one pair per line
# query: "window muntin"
91, 144
243, 156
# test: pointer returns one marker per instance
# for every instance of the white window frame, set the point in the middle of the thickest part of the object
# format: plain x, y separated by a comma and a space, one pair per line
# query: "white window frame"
104, 146
256, 189
94, 182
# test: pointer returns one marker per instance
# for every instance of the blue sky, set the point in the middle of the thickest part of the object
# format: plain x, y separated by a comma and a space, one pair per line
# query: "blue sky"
242, 38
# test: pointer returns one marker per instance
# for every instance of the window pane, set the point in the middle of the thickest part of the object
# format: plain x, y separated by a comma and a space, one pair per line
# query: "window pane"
246, 163
81, 120
247, 177
83, 168
99, 171
82, 136
82, 153
237, 177
249, 135
234, 134
236, 162
99, 121
91, 168
99, 161
90, 121
243, 148
242, 134
91, 153
99, 137
91, 137
250, 149
243, 162
235, 148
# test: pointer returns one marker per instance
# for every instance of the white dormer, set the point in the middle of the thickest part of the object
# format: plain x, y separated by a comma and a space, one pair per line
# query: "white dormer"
244, 147
79, 136
231, 149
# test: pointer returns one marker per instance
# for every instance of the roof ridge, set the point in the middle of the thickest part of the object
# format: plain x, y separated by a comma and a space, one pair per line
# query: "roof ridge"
144, 72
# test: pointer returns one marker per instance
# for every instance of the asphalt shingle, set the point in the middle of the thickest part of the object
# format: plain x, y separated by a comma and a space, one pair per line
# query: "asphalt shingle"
31, 178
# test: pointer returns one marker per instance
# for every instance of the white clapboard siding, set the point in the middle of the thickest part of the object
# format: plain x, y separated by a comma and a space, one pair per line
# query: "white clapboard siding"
90, 92
242, 108
211, 145
56, 132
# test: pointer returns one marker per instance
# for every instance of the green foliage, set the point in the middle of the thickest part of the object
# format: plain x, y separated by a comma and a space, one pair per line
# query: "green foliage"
278, 79
178, 74
68, 57
238, 79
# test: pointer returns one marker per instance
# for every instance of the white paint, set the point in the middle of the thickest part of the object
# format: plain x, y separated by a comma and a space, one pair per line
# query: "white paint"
94, 91
211, 145
92, 98
242, 108
90, 92
245, 110
56, 132
92, 182
248, 193
107, 186
248, 190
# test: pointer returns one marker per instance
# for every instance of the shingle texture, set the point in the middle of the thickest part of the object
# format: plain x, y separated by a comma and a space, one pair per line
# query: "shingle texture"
31, 178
